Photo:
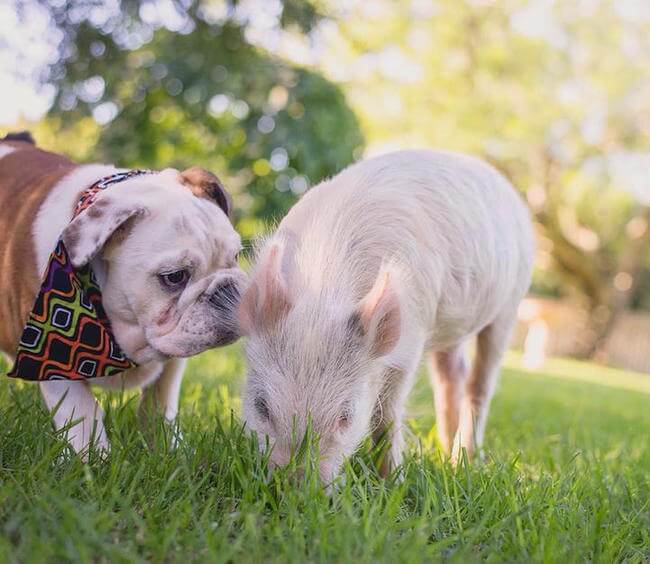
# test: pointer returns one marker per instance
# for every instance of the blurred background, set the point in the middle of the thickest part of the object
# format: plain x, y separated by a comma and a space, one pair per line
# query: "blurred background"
275, 95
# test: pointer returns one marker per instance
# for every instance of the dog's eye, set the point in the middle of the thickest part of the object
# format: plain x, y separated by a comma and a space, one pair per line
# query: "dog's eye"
262, 408
174, 280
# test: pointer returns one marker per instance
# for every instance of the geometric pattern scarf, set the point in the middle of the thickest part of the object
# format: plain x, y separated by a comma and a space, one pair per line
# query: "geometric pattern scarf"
68, 335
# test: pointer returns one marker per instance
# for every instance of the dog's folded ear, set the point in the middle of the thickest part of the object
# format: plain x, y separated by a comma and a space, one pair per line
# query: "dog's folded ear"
204, 184
86, 235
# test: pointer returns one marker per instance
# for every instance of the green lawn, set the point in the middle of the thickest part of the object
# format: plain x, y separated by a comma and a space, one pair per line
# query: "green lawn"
566, 478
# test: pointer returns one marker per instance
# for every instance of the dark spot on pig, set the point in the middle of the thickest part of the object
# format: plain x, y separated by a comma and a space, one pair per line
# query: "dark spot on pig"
355, 326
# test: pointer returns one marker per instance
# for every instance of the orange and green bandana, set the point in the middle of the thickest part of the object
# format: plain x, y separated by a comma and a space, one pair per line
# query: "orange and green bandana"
68, 335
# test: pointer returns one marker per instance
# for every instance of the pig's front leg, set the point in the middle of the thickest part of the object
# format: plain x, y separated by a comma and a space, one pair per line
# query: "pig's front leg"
389, 414
73, 402
449, 370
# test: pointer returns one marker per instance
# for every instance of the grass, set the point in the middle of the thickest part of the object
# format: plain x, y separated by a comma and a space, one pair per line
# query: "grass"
566, 478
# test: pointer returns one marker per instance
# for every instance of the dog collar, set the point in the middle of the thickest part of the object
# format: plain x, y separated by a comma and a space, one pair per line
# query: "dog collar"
68, 335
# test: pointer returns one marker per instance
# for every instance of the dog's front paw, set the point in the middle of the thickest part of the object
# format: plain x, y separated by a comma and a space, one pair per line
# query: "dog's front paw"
88, 446
157, 430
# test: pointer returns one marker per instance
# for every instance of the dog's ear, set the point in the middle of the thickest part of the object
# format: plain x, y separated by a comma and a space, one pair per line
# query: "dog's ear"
204, 184
378, 317
86, 235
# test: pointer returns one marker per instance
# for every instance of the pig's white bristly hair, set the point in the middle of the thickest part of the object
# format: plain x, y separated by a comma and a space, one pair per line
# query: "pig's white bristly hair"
448, 229
342, 233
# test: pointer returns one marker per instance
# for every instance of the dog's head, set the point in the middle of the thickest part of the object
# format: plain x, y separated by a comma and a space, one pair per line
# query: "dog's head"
165, 253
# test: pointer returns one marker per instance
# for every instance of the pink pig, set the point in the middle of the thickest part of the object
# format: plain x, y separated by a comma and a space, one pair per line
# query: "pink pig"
410, 252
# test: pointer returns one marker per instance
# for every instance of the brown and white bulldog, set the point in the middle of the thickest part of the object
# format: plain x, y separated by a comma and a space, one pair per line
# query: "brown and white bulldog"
162, 248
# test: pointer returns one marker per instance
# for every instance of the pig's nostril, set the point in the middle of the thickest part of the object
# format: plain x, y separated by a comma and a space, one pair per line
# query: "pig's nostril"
226, 296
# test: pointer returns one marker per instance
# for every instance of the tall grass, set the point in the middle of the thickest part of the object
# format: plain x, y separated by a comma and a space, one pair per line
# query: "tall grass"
566, 478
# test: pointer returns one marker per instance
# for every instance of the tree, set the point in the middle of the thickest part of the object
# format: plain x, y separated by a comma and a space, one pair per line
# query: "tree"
555, 94
188, 87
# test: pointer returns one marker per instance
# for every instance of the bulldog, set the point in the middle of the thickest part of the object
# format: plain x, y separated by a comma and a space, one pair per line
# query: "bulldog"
162, 250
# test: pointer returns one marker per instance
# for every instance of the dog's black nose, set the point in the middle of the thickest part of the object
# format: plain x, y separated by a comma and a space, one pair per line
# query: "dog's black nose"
225, 296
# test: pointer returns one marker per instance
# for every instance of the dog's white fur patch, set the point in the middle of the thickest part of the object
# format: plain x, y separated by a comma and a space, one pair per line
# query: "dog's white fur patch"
56, 211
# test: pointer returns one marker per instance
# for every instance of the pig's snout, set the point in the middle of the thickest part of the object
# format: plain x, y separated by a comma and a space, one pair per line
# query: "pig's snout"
328, 468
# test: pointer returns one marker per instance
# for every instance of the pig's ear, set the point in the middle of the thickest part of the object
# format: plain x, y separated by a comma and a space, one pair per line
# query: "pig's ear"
378, 316
266, 300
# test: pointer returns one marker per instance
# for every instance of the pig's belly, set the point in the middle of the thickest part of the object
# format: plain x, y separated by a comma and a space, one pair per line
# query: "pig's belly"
446, 335
458, 318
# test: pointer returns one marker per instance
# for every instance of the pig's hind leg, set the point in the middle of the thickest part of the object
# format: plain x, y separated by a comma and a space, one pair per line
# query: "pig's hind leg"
448, 370
491, 344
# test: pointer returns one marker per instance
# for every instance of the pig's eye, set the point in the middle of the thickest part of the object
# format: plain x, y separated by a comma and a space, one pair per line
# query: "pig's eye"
262, 408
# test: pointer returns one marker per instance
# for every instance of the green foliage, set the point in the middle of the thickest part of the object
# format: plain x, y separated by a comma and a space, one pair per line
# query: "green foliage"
564, 480
208, 97
552, 93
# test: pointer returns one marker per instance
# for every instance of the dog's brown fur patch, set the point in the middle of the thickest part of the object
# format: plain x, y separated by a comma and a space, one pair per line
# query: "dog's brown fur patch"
26, 177
204, 184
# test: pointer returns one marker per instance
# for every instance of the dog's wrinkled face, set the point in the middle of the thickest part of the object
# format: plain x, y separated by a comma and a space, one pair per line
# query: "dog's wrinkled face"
165, 253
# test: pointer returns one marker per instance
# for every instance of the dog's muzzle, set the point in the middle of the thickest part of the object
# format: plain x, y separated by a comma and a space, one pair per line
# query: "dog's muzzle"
225, 296
225, 299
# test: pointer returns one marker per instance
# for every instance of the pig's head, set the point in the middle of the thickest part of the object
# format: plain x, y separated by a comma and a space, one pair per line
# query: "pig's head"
314, 355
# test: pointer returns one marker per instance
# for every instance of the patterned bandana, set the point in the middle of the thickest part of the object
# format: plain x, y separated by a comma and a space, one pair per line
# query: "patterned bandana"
67, 335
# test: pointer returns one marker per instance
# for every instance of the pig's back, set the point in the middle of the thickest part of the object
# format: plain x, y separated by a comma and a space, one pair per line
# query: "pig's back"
456, 227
